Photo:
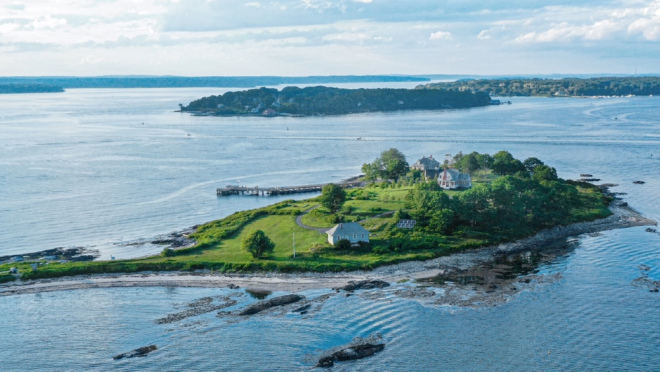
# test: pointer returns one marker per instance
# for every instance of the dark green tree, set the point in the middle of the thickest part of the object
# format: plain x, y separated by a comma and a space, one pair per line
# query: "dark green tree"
391, 164
505, 164
531, 164
332, 197
257, 243
545, 173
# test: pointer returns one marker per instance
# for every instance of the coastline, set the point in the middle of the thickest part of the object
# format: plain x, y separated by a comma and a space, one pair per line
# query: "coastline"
622, 217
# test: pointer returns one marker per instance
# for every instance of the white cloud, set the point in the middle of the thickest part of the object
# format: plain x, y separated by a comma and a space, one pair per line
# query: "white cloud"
484, 35
441, 35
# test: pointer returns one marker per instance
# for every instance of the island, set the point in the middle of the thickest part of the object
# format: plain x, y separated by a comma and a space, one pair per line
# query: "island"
432, 209
567, 87
29, 88
321, 100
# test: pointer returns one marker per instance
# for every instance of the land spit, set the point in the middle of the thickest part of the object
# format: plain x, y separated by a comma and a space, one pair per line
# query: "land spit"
623, 216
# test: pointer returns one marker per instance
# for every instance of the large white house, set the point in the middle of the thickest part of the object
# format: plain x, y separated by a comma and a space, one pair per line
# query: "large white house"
453, 179
351, 231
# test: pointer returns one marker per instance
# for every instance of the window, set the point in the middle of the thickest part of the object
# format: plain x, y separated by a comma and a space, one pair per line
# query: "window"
354, 236
362, 236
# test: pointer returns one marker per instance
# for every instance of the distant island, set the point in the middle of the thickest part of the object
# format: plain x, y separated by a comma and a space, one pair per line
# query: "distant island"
321, 100
567, 87
29, 88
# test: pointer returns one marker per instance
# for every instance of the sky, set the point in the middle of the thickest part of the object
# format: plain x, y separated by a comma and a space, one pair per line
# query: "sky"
327, 37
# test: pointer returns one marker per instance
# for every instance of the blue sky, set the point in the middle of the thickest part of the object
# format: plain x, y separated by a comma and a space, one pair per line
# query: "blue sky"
324, 37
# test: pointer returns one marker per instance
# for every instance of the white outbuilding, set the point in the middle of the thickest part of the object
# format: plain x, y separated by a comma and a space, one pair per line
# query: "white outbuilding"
351, 231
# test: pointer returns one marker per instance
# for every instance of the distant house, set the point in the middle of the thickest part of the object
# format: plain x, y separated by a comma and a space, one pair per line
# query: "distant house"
453, 179
351, 231
429, 166
406, 224
17, 259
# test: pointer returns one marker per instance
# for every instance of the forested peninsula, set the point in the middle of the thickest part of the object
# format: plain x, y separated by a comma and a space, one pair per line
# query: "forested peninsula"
29, 88
321, 100
567, 87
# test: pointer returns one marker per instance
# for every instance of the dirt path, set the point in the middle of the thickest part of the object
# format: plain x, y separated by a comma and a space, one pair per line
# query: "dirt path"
321, 230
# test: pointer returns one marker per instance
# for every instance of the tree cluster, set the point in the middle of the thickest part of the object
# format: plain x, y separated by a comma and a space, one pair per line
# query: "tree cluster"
528, 196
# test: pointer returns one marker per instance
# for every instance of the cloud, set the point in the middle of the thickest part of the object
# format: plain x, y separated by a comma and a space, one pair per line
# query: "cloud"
441, 35
484, 35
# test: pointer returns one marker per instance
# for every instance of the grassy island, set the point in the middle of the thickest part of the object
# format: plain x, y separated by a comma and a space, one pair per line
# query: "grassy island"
508, 200
331, 101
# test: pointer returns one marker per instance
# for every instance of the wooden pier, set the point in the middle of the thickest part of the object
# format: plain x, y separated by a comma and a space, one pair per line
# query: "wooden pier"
284, 190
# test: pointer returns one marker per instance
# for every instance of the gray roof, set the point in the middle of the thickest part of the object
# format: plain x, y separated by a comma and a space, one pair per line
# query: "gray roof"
347, 228
453, 175
426, 163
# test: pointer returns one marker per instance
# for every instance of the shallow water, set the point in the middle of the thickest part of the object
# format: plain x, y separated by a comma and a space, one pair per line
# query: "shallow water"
80, 169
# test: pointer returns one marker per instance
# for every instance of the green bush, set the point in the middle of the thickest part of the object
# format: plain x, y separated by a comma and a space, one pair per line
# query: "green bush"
343, 245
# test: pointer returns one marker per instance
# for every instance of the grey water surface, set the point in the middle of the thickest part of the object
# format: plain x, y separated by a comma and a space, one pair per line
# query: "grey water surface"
111, 169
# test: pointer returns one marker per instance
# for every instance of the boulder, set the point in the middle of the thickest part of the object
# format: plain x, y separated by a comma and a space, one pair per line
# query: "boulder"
365, 284
139, 352
350, 353
267, 304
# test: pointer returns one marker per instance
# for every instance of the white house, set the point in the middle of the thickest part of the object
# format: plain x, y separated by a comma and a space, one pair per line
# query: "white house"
351, 231
453, 179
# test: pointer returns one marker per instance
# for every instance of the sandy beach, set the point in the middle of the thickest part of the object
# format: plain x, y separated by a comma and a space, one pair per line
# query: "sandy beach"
622, 217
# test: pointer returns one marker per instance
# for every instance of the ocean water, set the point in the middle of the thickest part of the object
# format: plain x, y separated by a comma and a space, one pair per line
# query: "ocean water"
106, 169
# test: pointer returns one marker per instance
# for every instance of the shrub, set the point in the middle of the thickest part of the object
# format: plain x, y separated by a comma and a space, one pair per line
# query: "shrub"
167, 252
343, 245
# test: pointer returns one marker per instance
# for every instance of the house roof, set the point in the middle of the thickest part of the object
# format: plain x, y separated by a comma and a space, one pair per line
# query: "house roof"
453, 175
347, 228
426, 163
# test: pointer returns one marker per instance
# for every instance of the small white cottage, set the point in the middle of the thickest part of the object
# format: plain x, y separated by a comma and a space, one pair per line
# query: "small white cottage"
351, 231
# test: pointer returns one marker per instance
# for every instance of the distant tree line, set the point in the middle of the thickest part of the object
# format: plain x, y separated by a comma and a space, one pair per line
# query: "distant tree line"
29, 88
601, 86
322, 100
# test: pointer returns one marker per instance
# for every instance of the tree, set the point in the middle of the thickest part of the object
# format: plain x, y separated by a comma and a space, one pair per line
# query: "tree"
531, 164
257, 243
332, 197
545, 173
391, 164
505, 164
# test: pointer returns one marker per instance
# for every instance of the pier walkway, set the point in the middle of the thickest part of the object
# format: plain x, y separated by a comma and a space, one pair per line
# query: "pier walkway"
284, 190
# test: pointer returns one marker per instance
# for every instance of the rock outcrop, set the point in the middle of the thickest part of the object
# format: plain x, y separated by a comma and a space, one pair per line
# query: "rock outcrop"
350, 353
139, 352
364, 284
267, 304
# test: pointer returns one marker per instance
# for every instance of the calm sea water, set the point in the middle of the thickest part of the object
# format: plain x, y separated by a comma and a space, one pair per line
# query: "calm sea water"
106, 168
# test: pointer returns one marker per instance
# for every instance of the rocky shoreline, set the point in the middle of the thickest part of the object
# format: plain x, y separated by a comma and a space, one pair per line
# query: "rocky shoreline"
623, 216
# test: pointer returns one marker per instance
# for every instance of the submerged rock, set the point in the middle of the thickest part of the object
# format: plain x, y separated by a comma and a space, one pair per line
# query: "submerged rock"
139, 352
267, 304
350, 353
365, 284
